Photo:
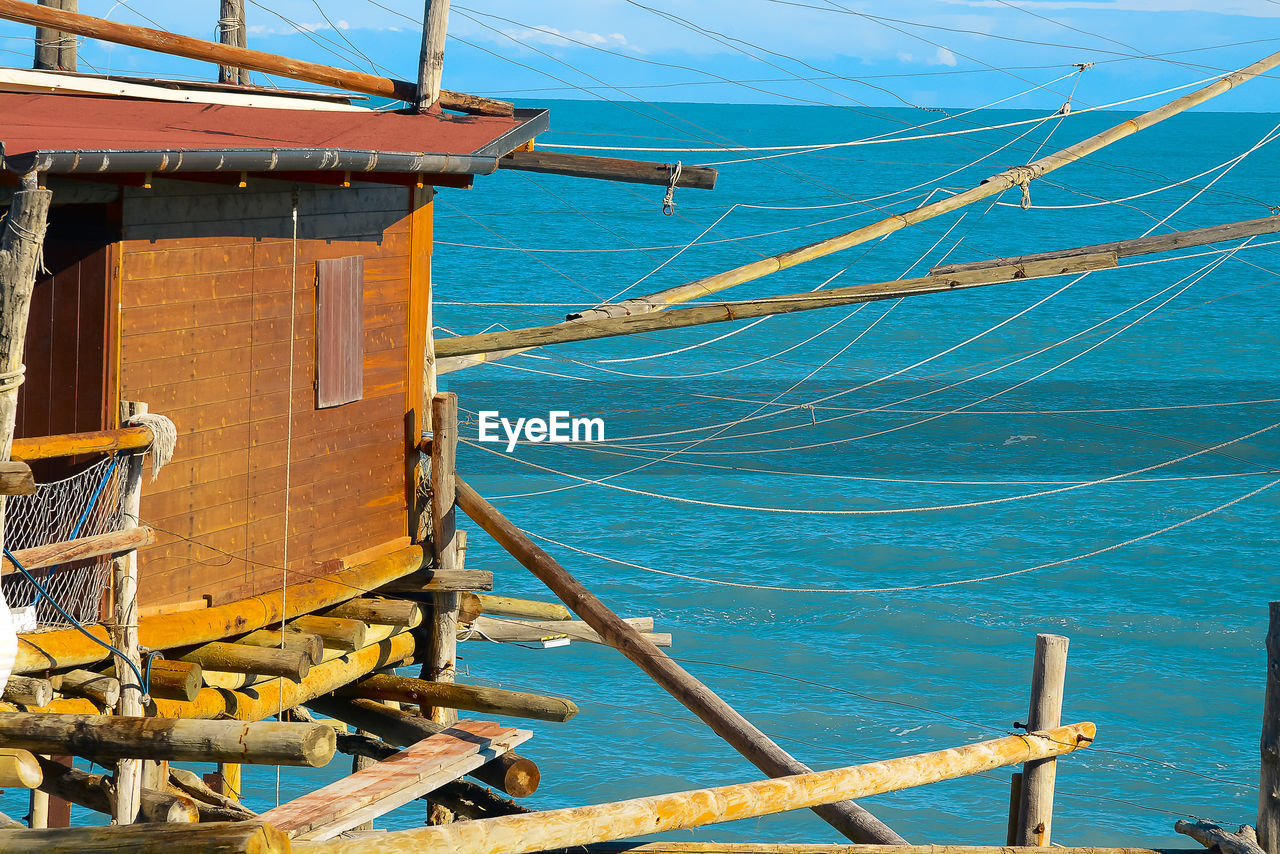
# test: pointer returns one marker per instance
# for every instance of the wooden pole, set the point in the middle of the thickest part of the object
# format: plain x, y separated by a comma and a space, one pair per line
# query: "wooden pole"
28, 691
92, 791
378, 612
1269, 782
1035, 805
20, 247
850, 819
1015, 799
590, 329
236, 837
107, 738
74, 444
124, 633
56, 51
244, 58
435, 26
231, 31
310, 645
526, 609
563, 828
334, 632
475, 698
127, 539
442, 628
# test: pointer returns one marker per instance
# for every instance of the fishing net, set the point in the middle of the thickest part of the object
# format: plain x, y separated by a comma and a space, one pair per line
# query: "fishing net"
83, 505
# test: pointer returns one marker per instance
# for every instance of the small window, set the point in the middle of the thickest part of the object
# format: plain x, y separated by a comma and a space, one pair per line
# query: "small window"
339, 331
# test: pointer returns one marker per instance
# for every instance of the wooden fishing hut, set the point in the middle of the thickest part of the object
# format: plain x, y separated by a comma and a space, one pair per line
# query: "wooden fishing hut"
236, 284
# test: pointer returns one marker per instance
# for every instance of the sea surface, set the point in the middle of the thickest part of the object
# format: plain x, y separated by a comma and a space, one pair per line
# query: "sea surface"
855, 521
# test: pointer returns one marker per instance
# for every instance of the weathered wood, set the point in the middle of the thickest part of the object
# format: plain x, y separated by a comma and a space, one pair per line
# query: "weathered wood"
239, 658
562, 828
1134, 246
246, 837
74, 444
441, 663
395, 781
56, 51
591, 328
231, 31
435, 26
168, 681
16, 479
53, 554
1015, 800
520, 631
825, 848
429, 581
213, 806
28, 691
103, 739
512, 773
310, 645
244, 58
1213, 837
850, 819
334, 632
474, 698
103, 689
1035, 804
378, 612
609, 169
70, 648
95, 792
19, 769
1269, 780
524, 609
8, 823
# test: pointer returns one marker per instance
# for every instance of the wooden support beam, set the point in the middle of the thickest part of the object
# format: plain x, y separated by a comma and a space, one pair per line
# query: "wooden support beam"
512, 773
56, 51
213, 806
1269, 780
232, 31
257, 660
104, 739
166, 680
395, 781
252, 60
378, 612
441, 663
62, 649
435, 27
19, 769
851, 820
609, 169
334, 632
114, 542
28, 691
241, 837
588, 329
310, 645
521, 609
505, 630
562, 828
1015, 802
431, 581
473, 698
102, 689
75, 444
1133, 246
16, 478
1035, 805
169, 680
95, 792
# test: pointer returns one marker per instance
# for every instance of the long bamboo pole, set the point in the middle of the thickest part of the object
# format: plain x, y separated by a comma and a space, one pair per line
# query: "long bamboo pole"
562, 828
239, 57
850, 819
700, 315
994, 185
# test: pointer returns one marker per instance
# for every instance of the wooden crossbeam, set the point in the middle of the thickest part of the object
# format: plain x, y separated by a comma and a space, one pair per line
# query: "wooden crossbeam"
395, 781
38, 557
609, 169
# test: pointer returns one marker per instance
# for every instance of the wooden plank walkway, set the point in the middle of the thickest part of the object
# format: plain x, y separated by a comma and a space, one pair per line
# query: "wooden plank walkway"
393, 782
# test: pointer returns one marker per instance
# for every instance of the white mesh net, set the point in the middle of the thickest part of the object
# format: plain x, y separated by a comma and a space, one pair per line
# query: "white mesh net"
83, 505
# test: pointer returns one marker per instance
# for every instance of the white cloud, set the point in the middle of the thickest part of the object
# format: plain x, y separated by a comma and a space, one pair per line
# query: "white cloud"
943, 57
556, 38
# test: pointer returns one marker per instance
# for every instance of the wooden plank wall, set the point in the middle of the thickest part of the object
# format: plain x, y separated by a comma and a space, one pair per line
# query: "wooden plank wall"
206, 278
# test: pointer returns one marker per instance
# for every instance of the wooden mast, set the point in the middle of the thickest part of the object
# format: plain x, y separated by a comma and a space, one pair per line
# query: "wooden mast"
56, 50
231, 31
435, 25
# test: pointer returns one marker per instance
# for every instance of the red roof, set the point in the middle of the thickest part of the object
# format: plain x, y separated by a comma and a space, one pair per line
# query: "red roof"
35, 123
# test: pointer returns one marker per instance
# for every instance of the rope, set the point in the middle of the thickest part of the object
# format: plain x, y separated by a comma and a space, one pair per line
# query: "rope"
164, 438
669, 201
10, 380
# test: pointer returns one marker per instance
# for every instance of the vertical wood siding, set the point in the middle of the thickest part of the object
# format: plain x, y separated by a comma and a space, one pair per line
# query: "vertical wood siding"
210, 287
339, 331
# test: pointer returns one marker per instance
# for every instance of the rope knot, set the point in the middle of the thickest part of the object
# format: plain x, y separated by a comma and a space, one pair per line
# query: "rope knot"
669, 201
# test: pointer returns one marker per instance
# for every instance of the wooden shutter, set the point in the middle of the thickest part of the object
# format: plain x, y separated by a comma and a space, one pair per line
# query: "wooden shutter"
339, 331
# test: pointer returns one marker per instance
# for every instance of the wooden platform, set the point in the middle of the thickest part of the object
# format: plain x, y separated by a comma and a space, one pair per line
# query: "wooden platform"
393, 782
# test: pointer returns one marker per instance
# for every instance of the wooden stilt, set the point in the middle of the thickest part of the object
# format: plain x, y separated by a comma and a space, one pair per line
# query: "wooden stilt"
541, 831
850, 819
39, 808
1035, 807
435, 25
1015, 799
1269, 782
232, 780
231, 31
475, 698
56, 51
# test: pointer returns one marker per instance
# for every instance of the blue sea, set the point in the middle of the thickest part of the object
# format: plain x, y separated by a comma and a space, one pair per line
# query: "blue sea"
855, 521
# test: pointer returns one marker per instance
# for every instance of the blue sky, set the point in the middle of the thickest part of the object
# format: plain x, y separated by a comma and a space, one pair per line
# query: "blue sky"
951, 53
